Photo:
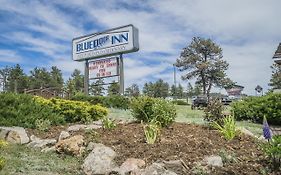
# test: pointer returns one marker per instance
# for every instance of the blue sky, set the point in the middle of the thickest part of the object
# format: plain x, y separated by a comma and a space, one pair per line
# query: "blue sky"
39, 34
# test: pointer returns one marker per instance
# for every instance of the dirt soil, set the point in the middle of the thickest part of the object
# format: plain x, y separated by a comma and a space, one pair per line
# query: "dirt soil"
188, 142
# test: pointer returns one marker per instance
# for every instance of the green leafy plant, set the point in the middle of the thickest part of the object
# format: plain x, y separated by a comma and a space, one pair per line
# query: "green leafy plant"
42, 124
148, 109
255, 108
23, 110
214, 111
227, 128
273, 150
108, 124
151, 130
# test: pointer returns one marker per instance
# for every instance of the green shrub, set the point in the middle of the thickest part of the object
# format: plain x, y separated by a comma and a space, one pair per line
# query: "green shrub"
148, 109
23, 110
42, 124
273, 150
180, 102
113, 101
227, 128
75, 111
35, 112
255, 108
214, 111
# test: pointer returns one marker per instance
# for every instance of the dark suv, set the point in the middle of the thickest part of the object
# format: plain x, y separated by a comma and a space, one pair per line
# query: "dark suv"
199, 101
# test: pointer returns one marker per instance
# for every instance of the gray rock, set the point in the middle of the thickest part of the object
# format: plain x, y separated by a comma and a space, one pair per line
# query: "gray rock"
14, 135
246, 132
48, 149
177, 166
74, 128
90, 146
41, 143
93, 126
99, 161
131, 165
157, 169
63, 135
213, 161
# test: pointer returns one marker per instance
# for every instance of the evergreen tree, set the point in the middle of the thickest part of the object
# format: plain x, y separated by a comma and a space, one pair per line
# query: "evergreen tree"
39, 78
113, 89
132, 91
96, 88
56, 78
275, 81
180, 91
17, 80
202, 59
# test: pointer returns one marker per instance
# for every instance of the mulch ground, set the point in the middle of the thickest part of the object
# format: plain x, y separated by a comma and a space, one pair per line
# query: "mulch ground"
187, 142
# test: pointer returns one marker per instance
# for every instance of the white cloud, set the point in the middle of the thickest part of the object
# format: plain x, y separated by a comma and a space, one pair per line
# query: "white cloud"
9, 56
247, 31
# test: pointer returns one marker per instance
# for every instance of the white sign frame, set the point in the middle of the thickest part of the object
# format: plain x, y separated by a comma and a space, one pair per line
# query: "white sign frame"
110, 42
104, 68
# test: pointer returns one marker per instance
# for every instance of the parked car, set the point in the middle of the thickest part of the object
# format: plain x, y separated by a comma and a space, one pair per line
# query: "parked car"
199, 101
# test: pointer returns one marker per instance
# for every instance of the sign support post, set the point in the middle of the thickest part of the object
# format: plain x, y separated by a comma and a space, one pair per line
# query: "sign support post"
86, 78
121, 66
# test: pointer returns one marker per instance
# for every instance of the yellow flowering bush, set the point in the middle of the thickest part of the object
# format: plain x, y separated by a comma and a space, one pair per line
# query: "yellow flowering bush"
74, 111
2, 160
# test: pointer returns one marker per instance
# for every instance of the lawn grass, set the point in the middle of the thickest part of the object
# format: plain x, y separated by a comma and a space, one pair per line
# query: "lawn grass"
21, 160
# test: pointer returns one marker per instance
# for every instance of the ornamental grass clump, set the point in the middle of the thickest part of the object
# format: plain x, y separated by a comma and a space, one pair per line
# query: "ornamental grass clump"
227, 127
151, 130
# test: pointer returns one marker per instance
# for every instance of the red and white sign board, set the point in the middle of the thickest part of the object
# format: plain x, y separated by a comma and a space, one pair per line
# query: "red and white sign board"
103, 68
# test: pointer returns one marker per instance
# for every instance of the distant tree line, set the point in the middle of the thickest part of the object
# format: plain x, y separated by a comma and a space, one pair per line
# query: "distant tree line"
14, 79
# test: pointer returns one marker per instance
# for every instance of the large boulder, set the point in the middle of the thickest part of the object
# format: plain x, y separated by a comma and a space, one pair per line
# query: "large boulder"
99, 161
41, 143
14, 135
72, 145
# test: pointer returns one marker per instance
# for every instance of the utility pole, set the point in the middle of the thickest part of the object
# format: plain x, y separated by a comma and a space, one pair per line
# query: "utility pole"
175, 82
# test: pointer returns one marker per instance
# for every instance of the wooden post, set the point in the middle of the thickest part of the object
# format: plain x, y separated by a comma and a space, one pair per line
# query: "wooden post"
86, 78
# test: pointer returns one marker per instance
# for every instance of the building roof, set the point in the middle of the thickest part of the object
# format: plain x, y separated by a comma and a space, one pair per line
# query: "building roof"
277, 55
278, 52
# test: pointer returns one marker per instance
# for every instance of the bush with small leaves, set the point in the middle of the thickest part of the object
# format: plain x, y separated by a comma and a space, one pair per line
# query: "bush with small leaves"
148, 109
214, 111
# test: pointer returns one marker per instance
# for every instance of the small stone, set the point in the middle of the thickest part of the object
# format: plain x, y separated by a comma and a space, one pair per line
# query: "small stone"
63, 135
93, 126
131, 165
74, 128
157, 169
48, 149
41, 143
72, 145
213, 161
90, 146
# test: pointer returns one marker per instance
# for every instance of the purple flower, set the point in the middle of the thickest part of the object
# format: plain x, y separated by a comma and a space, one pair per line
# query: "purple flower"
266, 130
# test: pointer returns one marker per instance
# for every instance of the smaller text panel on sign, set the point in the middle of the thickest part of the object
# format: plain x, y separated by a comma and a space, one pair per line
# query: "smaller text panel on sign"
103, 68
